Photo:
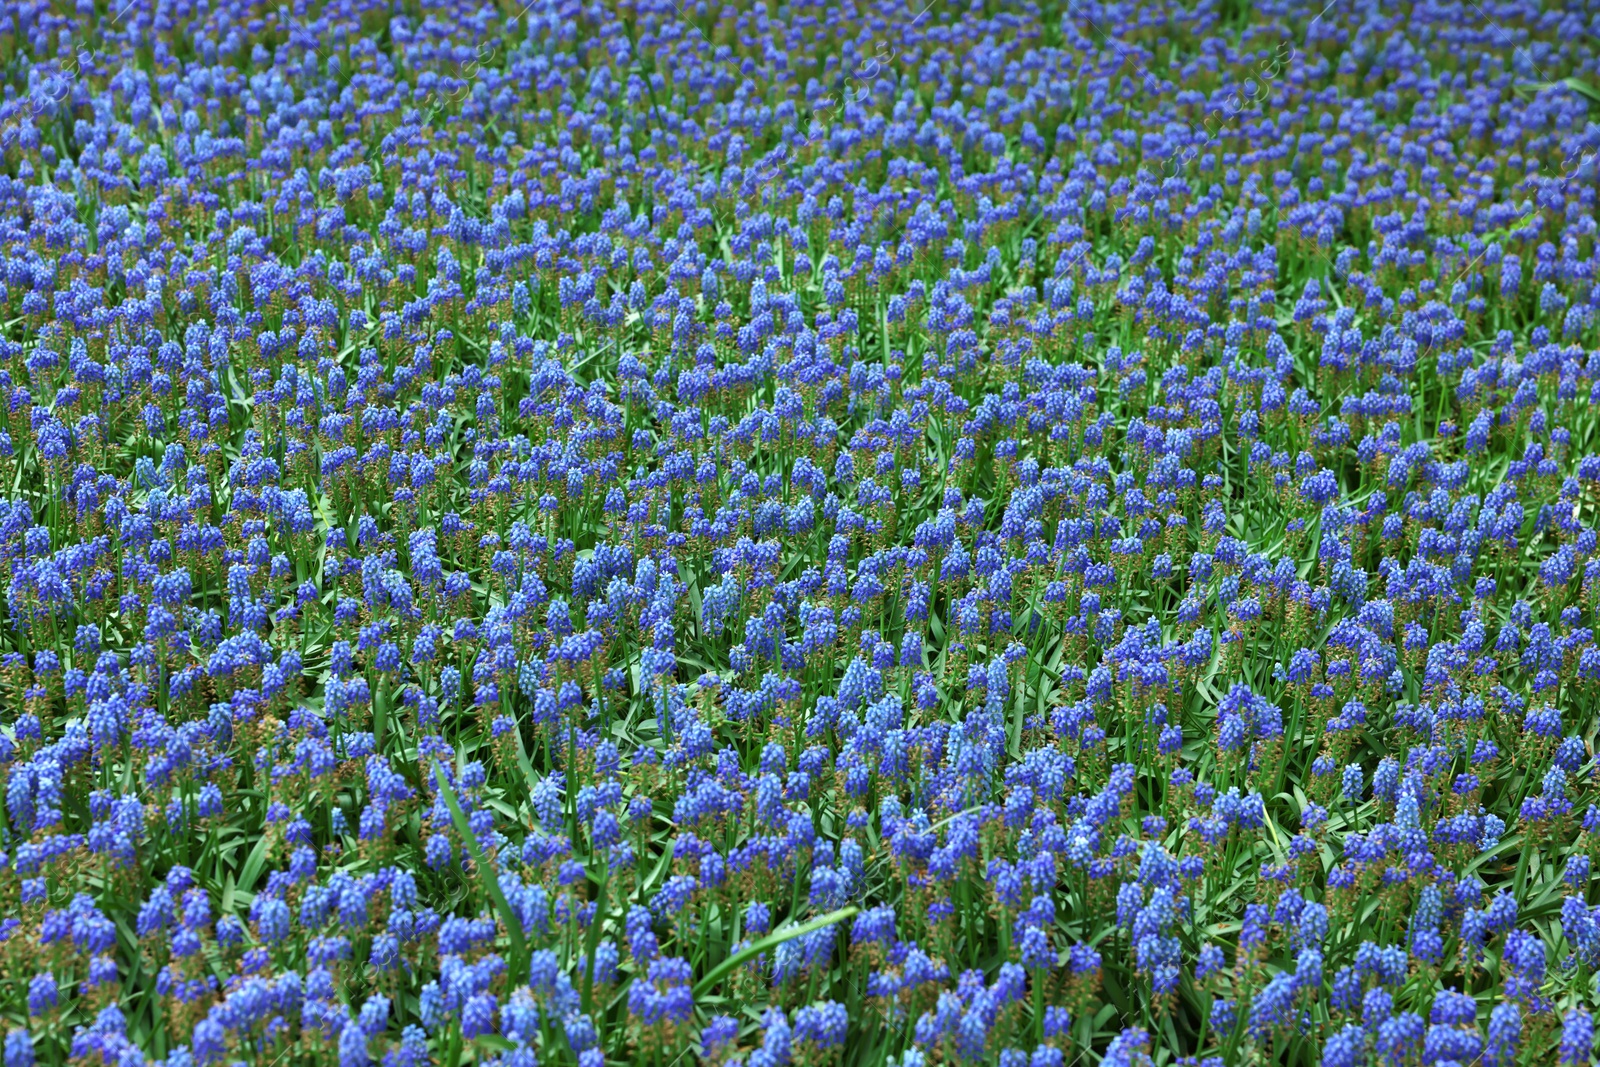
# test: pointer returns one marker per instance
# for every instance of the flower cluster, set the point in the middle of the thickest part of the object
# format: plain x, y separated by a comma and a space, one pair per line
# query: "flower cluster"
796, 534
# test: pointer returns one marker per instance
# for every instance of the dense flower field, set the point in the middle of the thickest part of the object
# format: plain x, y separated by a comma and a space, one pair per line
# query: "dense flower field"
821, 534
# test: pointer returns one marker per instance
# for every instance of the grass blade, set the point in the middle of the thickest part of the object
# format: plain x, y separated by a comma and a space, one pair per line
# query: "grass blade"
771, 941
518, 963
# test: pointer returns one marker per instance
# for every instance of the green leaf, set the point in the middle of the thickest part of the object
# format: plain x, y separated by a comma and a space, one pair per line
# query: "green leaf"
766, 944
1583, 88
592, 939
1577, 85
254, 865
518, 963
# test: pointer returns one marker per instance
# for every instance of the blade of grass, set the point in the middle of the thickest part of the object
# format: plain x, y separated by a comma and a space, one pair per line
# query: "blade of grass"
518, 963
766, 944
